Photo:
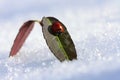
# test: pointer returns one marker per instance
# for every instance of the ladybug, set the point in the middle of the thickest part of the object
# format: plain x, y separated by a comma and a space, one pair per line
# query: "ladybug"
57, 28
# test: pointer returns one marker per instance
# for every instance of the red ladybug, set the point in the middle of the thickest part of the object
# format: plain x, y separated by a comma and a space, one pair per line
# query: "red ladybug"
57, 28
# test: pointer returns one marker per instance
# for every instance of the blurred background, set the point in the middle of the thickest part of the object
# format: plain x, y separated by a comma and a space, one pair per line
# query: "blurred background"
92, 24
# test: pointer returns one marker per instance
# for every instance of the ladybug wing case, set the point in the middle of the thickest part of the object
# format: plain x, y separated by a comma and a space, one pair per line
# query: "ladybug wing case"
61, 43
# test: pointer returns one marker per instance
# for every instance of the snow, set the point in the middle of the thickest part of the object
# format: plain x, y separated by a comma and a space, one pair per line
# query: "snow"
93, 26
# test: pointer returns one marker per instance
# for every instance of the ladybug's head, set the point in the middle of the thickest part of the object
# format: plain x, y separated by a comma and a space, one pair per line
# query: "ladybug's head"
57, 28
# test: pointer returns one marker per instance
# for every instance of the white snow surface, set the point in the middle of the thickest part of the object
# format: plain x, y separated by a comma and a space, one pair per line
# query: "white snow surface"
94, 26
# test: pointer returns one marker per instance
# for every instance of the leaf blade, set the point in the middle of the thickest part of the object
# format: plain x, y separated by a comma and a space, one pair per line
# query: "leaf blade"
21, 37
